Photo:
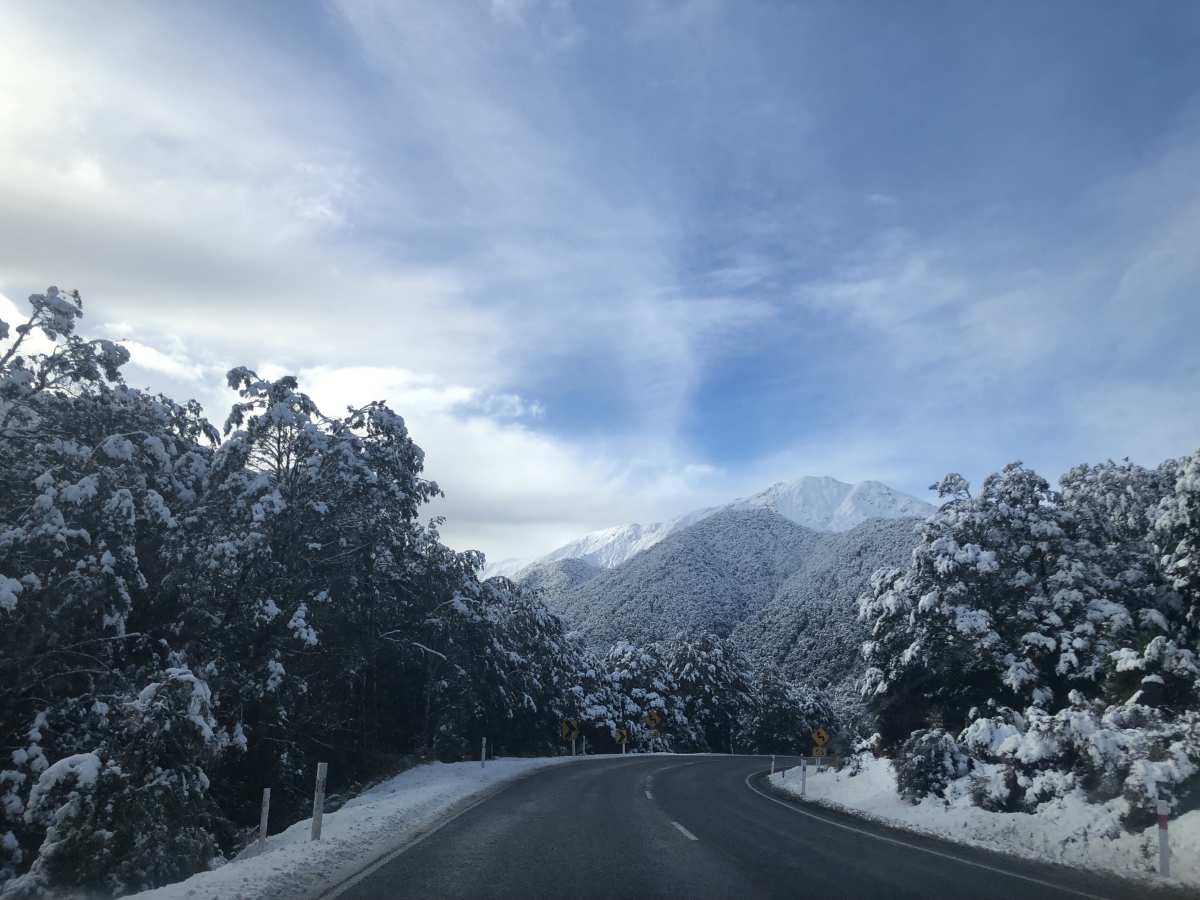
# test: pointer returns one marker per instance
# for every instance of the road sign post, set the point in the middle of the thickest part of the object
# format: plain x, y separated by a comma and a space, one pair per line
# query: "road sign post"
652, 719
570, 729
803, 775
263, 817
318, 802
483, 753
1164, 844
820, 739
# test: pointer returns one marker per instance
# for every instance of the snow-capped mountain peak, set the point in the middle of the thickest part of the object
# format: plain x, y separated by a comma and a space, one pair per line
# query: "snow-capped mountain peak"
826, 504
817, 502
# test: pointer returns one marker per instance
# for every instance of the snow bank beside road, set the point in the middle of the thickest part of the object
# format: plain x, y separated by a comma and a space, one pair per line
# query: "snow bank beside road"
364, 829
1069, 830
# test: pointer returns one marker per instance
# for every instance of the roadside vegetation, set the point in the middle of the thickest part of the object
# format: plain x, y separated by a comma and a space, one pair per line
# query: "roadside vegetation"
190, 615
1042, 642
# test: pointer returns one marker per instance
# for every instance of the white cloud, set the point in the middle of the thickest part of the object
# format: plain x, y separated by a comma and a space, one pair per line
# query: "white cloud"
445, 220
174, 366
510, 489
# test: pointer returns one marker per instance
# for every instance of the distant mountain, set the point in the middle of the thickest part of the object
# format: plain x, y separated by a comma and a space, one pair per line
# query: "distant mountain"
786, 594
809, 630
826, 504
711, 575
506, 568
560, 575
612, 546
819, 503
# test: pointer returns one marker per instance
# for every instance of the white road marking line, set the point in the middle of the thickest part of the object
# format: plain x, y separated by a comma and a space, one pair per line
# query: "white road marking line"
687, 834
899, 843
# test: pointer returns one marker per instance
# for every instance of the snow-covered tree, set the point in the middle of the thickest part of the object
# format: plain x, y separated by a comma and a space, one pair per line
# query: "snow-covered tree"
184, 621
134, 812
1015, 595
94, 477
1176, 534
713, 682
1046, 636
1115, 507
782, 717
645, 693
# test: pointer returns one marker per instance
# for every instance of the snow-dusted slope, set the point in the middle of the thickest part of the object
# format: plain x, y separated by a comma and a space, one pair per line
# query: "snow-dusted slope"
809, 629
826, 504
819, 503
612, 546
505, 567
559, 576
709, 576
785, 594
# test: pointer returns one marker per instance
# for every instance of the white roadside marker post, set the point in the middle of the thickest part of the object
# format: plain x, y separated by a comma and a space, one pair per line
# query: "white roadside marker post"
318, 802
1164, 845
483, 753
572, 746
803, 775
262, 819
584, 745
772, 763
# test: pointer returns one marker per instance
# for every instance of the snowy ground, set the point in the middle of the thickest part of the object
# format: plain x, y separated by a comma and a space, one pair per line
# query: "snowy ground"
364, 829
1069, 831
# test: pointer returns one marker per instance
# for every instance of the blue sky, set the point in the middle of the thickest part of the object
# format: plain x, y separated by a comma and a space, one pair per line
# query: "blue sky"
616, 261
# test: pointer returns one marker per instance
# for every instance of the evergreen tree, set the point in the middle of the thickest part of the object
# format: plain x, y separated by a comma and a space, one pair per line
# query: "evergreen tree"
649, 705
1176, 535
782, 717
713, 683
1009, 597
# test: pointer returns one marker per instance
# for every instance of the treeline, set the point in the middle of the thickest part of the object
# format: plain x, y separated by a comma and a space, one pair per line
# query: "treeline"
1044, 641
187, 617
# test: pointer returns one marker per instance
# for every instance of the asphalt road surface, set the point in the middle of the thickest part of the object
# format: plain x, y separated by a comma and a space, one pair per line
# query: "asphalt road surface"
693, 827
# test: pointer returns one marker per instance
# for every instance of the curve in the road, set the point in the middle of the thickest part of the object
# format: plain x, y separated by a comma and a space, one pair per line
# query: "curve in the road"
701, 826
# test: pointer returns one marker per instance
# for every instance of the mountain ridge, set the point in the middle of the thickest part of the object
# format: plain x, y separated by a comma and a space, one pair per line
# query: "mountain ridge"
784, 594
820, 503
